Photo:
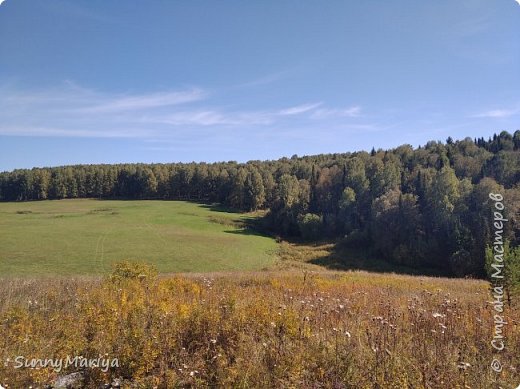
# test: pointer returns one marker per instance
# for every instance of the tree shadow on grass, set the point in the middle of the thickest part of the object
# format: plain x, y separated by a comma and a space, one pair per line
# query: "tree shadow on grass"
330, 254
215, 207
345, 258
244, 225
250, 225
246, 231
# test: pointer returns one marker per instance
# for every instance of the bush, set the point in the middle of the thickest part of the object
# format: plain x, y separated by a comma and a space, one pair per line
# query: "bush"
311, 226
127, 270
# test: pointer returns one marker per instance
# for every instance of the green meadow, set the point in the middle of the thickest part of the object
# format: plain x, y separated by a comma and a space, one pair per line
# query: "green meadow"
85, 236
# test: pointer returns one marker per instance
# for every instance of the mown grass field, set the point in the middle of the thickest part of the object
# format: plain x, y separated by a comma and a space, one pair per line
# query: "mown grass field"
64, 237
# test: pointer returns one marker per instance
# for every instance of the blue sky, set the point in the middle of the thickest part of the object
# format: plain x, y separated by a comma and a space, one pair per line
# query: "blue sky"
162, 81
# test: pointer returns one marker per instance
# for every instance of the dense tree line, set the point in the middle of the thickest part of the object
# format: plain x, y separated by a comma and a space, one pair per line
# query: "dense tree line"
419, 207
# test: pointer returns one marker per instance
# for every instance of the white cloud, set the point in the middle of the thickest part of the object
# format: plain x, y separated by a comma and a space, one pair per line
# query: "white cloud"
498, 113
299, 109
351, 112
73, 133
1, 1
74, 111
153, 100
518, 1
203, 118
212, 118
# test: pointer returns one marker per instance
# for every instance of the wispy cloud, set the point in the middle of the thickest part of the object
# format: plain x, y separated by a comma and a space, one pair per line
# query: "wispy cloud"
211, 118
299, 109
350, 112
36, 131
498, 113
139, 102
71, 110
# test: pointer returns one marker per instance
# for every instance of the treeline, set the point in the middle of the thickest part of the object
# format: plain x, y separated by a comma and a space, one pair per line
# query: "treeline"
418, 207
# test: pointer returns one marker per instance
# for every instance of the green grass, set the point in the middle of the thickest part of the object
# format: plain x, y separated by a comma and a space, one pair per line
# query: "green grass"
72, 237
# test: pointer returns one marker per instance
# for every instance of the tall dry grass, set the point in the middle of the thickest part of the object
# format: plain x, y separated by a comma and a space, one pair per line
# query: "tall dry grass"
261, 330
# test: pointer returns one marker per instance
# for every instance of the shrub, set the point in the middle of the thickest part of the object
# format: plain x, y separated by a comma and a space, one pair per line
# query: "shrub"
311, 226
128, 270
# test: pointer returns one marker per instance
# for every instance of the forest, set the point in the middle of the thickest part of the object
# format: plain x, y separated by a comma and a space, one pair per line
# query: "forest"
419, 207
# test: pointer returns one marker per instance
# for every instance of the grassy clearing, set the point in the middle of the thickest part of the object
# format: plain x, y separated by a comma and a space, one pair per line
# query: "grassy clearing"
64, 237
320, 255
262, 330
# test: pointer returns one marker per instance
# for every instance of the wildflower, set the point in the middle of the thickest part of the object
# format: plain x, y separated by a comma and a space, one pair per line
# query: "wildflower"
463, 365
347, 334
213, 341
437, 315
